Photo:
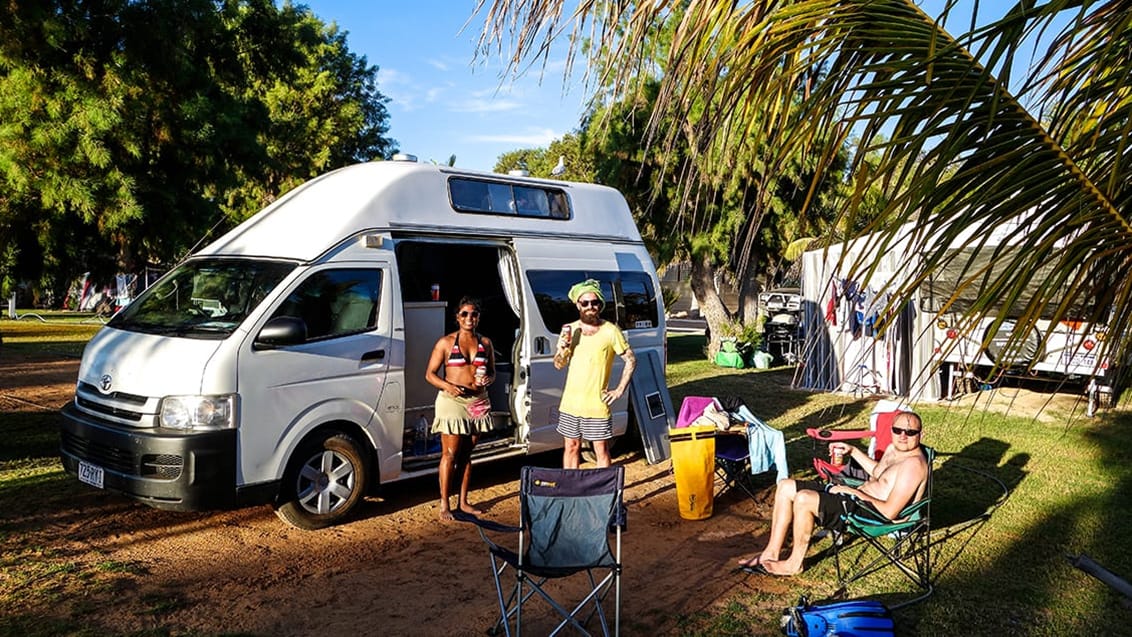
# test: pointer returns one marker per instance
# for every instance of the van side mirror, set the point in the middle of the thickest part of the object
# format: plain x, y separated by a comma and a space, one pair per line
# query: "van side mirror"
281, 331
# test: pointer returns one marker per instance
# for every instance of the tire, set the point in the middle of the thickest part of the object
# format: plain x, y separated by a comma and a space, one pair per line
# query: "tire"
1006, 351
324, 482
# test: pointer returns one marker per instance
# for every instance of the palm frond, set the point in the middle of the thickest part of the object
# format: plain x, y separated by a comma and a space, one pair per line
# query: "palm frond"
961, 156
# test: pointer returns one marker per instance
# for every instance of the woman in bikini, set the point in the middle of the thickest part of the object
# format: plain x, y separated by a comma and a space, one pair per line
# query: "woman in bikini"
462, 407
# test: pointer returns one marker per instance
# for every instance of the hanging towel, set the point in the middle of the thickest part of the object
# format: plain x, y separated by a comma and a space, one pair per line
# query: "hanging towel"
767, 445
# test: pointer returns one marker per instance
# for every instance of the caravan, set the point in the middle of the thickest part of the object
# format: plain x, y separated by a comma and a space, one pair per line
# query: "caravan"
285, 362
937, 346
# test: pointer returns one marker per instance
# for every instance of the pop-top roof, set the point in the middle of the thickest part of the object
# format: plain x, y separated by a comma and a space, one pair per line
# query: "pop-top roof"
394, 195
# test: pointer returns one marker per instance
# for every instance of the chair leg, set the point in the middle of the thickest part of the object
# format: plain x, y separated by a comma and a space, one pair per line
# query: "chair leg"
910, 554
596, 596
733, 474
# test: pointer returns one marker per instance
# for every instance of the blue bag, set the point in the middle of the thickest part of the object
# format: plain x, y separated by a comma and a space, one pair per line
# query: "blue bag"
852, 618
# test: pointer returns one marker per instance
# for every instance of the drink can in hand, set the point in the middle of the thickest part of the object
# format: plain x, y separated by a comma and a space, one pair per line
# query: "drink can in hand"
839, 456
481, 376
565, 336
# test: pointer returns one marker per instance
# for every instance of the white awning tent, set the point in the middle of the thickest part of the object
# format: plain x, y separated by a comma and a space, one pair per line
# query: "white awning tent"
852, 344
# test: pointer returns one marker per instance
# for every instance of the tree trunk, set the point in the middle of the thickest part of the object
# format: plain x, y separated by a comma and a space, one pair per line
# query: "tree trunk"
749, 289
711, 306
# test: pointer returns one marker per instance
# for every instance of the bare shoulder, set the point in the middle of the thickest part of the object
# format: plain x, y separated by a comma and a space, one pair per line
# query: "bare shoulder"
445, 342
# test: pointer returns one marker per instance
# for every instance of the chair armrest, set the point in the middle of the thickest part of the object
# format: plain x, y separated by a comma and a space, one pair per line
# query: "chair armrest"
489, 525
831, 435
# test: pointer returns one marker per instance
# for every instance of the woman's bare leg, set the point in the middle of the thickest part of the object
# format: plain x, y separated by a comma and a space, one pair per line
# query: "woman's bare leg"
467, 444
449, 448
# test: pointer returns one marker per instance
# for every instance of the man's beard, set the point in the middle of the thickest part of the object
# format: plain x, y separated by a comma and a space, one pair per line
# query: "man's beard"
590, 319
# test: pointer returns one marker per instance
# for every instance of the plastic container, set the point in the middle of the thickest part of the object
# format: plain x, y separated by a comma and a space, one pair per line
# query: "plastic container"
693, 464
761, 360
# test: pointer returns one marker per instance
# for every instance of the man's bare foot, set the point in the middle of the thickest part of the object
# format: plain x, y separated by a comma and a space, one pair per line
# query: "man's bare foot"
467, 508
758, 559
445, 515
751, 561
777, 567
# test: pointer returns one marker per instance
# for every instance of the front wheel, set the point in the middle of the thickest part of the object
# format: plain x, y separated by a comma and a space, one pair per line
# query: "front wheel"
323, 483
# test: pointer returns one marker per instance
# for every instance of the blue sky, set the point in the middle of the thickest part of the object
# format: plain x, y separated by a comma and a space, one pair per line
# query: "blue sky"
442, 104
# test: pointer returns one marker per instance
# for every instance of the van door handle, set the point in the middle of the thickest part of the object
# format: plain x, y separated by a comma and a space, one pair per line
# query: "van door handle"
542, 345
375, 355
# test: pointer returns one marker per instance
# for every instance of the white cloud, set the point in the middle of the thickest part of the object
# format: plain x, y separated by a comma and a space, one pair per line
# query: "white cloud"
439, 65
535, 138
485, 106
390, 77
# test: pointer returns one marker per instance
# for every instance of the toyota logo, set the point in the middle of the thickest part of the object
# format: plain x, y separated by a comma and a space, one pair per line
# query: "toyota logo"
105, 382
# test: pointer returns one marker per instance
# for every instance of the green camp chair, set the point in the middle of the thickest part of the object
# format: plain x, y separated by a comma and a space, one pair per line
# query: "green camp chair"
905, 544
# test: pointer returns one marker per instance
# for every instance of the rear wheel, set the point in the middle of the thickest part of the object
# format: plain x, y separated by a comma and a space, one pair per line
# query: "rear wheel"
324, 482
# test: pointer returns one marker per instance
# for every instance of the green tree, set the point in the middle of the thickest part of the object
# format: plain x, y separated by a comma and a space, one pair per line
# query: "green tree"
130, 130
960, 150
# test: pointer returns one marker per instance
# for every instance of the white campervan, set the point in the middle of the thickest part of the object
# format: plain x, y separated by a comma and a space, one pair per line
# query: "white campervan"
285, 362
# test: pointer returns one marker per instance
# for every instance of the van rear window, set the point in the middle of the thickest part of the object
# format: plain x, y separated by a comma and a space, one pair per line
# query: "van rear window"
630, 298
498, 198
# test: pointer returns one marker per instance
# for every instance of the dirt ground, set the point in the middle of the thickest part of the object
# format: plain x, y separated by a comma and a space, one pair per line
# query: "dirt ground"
394, 570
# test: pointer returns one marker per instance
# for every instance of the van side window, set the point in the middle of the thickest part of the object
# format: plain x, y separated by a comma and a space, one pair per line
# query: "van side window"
335, 302
630, 299
638, 300
500, 198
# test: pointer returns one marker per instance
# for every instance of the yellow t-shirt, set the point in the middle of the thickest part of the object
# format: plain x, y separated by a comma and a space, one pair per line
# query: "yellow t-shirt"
590, 367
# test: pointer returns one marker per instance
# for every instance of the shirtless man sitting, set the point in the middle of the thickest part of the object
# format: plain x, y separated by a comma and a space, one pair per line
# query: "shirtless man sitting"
896, 480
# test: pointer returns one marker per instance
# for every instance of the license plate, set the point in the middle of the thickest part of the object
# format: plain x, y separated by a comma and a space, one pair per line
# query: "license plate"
1079, 360
90, 474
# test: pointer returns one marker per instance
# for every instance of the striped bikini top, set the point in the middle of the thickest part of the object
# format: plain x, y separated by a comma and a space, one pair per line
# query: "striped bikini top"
456, 357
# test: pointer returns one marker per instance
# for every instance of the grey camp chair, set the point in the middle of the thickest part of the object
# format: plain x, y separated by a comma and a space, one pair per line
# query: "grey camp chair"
571, 522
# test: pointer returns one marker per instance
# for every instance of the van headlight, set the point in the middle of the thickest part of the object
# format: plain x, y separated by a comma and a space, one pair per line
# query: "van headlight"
198, 412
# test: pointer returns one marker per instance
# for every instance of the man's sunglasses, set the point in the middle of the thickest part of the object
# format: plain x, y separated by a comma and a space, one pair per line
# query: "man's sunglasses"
589, 303
466, 314
911, 433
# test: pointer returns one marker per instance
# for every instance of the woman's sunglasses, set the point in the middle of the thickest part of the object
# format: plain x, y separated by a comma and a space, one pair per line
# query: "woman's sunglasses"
589, 303
466, 314
905, 432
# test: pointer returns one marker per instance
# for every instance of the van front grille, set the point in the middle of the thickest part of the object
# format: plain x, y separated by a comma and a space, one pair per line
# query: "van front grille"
106, 456
117, 395
108, 410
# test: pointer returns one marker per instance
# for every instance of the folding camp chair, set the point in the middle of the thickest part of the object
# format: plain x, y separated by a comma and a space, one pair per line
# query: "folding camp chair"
905, 544
733, 463
567, 518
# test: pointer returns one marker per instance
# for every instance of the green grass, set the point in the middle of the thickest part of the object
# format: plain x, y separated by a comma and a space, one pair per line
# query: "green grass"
59, 334
1070, 482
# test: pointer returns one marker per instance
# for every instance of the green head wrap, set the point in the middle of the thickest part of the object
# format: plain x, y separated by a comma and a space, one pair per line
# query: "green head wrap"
589, 285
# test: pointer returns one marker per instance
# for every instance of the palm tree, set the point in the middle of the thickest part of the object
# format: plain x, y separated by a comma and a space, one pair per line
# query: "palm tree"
969, 135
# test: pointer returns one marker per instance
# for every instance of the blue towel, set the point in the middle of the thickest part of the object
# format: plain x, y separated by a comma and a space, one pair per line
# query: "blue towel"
767, 444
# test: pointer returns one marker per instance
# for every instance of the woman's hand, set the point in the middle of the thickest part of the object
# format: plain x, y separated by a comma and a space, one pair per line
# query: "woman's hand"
459, 391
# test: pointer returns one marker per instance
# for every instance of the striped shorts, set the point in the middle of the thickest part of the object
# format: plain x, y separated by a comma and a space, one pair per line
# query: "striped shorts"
571, 426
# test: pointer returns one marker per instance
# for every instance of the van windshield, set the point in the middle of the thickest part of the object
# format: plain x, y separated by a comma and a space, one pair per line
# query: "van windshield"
202, 298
